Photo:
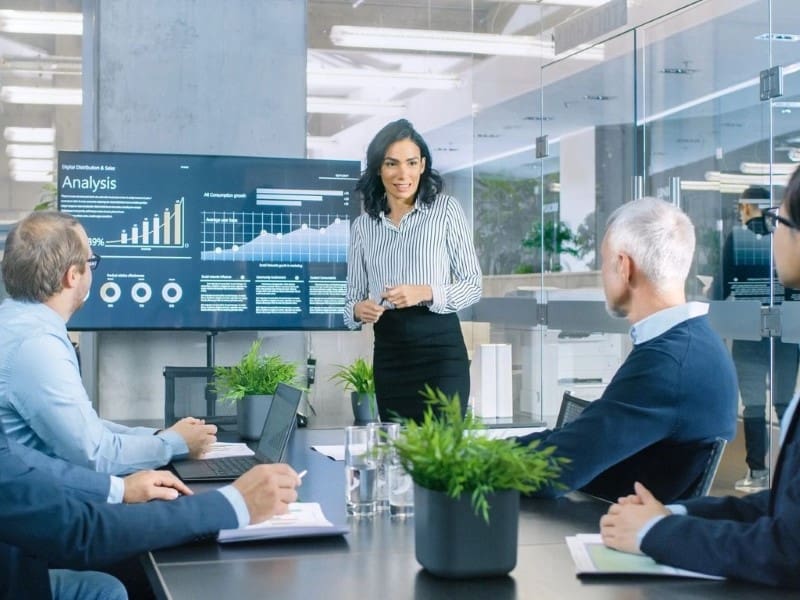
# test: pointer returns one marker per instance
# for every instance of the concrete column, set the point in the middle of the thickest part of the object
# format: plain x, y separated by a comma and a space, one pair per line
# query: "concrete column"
189, 77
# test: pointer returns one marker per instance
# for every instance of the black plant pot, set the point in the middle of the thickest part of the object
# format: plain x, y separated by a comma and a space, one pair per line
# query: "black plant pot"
365, 409
452, 541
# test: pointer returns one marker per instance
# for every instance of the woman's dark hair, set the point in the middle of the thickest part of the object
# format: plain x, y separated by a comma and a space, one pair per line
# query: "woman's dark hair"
370, 185
791, 197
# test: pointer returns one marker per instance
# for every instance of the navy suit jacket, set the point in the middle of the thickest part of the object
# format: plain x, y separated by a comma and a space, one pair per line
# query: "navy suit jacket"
47, 522
756, 537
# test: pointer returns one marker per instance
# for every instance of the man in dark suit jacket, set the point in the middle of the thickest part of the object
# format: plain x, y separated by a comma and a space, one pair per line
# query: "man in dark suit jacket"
757, 537
66, 522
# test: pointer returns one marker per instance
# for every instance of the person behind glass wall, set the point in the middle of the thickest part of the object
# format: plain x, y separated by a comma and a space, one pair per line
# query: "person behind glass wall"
757, 537
411, 266
746, 276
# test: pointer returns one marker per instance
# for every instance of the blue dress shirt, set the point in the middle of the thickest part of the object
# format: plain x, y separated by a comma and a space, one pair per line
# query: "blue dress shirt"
43, 404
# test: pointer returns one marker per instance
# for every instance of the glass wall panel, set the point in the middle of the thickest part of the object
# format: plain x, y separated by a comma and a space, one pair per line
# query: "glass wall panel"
784, 146
588, 116
708, 148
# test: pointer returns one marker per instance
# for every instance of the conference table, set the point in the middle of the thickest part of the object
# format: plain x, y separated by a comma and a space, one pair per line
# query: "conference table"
376, 559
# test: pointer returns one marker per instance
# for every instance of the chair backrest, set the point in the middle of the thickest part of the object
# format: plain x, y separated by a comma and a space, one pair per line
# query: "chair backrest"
571, 407
710, 471
190, 391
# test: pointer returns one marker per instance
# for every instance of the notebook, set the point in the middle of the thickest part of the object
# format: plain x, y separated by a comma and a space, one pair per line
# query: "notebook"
278, 428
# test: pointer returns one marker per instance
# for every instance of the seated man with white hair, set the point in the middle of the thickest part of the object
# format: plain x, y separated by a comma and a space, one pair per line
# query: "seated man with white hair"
675, 392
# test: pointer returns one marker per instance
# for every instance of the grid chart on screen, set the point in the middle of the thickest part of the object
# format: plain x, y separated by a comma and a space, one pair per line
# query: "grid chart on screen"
750, 249
274, 237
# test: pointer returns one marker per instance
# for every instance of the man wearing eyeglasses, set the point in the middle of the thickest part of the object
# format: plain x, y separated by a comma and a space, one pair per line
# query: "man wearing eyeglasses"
47, 270
746, 276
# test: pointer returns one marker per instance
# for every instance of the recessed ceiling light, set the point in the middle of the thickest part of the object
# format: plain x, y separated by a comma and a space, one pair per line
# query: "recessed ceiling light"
779, 37
786, 104
536, 118
44, 135
678, 71
598, 97
42, 22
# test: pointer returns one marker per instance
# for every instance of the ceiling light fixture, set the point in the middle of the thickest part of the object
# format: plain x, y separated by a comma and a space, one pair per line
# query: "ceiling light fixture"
778, 37
583, 3
741, 179
32, 176
713, 186
365, 77
44, 65
343, 106
30, 151
29, 164
36, 135
16, 94
456, 42
755, 168
31, 21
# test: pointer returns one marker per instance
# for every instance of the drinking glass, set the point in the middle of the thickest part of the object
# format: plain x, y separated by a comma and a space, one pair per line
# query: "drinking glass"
401, 491
360, 467
385, 433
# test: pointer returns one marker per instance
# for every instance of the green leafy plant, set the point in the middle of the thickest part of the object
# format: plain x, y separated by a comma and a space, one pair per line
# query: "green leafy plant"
359, 377
48, 197
254, 375
446, 453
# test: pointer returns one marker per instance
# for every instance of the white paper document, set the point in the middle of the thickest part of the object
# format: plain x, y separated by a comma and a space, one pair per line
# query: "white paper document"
304, 519
332, 451
496, 433
224, 449
593, 558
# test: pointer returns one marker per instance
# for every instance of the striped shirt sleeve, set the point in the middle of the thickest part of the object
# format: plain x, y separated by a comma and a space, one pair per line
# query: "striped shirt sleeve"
431, 246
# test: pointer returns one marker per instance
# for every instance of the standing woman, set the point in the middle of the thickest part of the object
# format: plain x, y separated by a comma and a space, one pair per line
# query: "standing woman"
411, 266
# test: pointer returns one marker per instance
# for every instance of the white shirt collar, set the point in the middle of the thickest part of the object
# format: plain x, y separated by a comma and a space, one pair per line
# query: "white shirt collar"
664, 320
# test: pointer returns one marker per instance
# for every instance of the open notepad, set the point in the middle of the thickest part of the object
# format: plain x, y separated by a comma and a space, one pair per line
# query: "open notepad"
593, 558
304, 519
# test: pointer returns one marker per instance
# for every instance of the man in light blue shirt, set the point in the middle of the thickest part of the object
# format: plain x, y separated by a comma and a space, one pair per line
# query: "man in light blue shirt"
47, 270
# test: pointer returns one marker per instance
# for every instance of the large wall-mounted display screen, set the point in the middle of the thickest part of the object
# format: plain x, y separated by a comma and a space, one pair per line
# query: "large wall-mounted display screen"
211, 242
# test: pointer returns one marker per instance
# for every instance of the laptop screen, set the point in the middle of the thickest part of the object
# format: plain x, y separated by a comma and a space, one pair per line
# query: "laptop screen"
280, 422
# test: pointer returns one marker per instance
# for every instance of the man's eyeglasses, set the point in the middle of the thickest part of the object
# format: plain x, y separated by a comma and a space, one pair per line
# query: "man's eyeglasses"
93, 261
771, 218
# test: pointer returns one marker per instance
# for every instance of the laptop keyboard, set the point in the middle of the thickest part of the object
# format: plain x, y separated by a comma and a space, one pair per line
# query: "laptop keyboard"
231, 464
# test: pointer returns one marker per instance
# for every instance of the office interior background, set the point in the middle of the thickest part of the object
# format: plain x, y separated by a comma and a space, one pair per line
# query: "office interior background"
542, 115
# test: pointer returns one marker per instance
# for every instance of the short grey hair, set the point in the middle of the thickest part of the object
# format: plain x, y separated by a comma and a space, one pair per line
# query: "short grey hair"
39, 250
658, 236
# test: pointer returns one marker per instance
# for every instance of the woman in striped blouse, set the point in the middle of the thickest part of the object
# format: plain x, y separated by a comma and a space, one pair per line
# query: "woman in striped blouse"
411, 266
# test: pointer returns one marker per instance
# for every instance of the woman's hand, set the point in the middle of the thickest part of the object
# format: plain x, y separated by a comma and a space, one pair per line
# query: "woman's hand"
367, 311
403, 296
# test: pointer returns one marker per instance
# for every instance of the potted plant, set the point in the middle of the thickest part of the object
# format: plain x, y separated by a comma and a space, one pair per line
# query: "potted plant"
251, 383
359, 377
466, 489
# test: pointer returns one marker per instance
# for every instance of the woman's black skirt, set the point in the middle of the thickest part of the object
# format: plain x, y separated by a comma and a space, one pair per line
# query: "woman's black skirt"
414, 347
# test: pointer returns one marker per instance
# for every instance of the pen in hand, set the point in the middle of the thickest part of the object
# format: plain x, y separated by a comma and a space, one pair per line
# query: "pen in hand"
300, 476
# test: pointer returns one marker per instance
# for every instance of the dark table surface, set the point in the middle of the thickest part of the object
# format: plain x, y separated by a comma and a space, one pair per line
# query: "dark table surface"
376, 559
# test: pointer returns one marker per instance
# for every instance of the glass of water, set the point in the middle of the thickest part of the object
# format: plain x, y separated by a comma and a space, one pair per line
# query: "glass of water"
360, 467
385, 433
401, 491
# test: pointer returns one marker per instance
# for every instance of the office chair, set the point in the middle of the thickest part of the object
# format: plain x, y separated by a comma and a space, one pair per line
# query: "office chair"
710, 470
571, 407
197, 385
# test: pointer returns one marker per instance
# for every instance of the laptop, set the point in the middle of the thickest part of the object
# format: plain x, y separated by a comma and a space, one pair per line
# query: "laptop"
278, 427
